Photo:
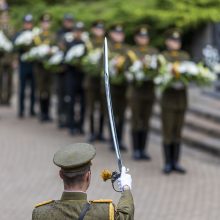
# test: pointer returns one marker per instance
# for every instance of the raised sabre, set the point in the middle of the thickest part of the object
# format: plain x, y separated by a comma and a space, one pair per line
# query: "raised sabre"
109, 106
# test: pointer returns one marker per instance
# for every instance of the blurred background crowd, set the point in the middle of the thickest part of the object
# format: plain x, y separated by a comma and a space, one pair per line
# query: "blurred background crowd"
56, 55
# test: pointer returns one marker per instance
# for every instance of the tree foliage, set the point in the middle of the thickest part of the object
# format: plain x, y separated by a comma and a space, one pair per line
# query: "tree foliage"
159, 14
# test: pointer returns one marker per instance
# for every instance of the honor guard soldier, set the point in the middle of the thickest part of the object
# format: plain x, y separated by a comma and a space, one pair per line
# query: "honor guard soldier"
67, 28
44, 77
65, 33
74, 80
117, 66
6, 70
26, 73
141, 92
93, 81
75, 171
173, 106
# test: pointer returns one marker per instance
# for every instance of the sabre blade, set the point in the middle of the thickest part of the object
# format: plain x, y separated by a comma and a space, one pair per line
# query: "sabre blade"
109, 105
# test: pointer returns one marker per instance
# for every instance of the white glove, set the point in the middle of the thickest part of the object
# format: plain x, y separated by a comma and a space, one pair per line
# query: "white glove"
125, 179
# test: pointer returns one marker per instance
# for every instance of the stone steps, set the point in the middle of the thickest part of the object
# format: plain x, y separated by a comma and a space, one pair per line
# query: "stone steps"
193, 138
202, 122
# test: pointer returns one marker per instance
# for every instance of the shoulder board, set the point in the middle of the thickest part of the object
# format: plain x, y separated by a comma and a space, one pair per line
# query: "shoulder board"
101, 201
43, 203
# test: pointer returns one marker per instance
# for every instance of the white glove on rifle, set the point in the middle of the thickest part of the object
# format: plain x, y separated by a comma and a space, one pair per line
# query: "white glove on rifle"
124, 180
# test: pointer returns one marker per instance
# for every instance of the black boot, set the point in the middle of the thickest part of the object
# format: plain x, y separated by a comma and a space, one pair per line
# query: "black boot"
136, 148
175, 159
167, 158
101, 125
92, 136
42, 110
47, 109
142, 145
119, 129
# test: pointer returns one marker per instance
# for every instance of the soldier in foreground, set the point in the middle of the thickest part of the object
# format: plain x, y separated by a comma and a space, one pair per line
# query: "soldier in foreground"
75, 163
173, 104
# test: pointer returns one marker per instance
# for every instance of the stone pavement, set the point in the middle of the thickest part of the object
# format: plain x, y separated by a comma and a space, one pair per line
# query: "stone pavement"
28, 175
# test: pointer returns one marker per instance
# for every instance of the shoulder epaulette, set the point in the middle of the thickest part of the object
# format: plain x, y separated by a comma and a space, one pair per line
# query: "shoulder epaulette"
43, 203
101, 201
110, 205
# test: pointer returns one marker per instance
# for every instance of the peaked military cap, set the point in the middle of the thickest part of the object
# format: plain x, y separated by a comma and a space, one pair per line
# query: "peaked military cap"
173, 34
143, 30
79, 26
75, 157
98, 24
28, 18
117, 28
45, 17
68, 17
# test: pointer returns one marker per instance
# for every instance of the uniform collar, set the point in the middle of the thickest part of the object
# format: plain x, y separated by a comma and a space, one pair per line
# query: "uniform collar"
98, 39
143, 48
74, 196
174, 53
117, 45
46, 33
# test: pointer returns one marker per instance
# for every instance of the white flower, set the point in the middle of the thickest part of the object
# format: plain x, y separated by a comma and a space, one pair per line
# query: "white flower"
36, 31
69, 37
5, 43
216, 67
140, 76
112, 67
150, 61
205, 73
85, 36
158, 80
163, 79
56, 58
129, 76
54, 49
37, 52
188, 67
25, 38
76, 51
161, 59
136, 66
169, 67
94, 56
43, 50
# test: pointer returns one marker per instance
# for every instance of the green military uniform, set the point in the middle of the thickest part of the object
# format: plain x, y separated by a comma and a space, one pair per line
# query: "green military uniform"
173, 106
141, 97
92, 83
75, 159
118, 83
43, 76
71, 205
6, 71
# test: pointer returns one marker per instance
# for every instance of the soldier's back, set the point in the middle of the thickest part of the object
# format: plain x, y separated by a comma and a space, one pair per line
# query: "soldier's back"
71, 210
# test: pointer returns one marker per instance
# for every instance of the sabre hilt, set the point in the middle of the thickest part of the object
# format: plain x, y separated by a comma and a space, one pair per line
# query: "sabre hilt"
113, 176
